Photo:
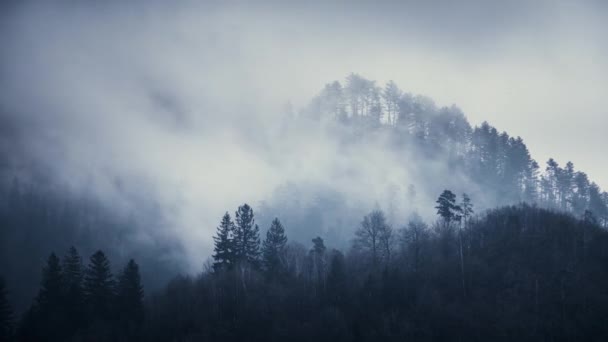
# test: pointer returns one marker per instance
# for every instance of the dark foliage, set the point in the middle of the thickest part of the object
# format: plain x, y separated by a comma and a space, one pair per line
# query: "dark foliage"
6, 314
531, 274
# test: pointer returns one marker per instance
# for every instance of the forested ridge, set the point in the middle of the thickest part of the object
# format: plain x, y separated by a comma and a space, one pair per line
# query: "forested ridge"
514, 251
513, 273
499, 164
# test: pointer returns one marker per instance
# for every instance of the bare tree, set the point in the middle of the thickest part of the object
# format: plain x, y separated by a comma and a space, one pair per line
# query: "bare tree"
375, 237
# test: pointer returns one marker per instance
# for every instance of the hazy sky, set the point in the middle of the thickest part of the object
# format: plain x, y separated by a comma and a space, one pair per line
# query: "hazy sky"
181, 95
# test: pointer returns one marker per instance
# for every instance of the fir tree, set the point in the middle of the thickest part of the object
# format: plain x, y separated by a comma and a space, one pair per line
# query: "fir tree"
73, 276
224, 250
273, 247
130, 294
51, 292
48, 314
246, 237
98, 286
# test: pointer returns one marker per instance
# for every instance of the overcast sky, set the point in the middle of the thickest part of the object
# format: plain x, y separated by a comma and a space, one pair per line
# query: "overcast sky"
178, 93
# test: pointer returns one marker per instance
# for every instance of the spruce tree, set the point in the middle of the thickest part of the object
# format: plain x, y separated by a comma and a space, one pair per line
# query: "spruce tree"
224, 250
48, 314
246, 237
73, 276
50, 296
273, 248
6, 314
130, 295
99, 286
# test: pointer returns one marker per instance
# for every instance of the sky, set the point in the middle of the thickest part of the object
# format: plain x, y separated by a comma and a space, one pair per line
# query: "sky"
166, 94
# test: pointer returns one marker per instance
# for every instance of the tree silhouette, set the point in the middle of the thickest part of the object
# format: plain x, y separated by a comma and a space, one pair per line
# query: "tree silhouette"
48, 316
246, 237
447, 208
224, 251
374, 237
73, 276
273, 247
6, 314
99, 287
130, 295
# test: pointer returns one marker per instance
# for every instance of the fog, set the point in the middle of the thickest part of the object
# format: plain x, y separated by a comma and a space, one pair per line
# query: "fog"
184, 105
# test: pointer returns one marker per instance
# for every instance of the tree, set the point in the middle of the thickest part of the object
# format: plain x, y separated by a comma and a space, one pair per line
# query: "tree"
317, 257
414, 237
374, 236
99, 287
597, 205
6, 314
246, 237
581, 195
50, 297
73, 276
273, 247
224, 255
130, 295
447, 208
336, 279
48, 315
392, 95
466, 209
466, 212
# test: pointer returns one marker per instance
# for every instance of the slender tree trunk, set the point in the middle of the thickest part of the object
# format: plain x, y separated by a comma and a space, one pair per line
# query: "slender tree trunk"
464, 291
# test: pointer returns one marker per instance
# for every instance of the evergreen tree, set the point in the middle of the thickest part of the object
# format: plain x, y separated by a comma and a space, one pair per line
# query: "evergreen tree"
6, 314
391, 95
50, 297
318, 263
73, 276
466, 209
48, 314
336, 279
224, 245
273, 247
99, 287
246, 237
447, 208
130, 294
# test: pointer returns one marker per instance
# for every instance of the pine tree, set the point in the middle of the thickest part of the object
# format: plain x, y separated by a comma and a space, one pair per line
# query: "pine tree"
99, 286
6, 314
246, 237
224, 250
50, 296
73, 276
447, 208
318, 263
336, 279
130, 294
273, 247
466, 209
391, 95
48, 314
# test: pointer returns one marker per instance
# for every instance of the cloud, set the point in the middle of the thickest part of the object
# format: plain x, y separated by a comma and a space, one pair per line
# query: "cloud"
182, 102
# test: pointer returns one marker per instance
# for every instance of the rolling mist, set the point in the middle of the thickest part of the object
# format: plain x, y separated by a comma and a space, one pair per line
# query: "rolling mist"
137, 126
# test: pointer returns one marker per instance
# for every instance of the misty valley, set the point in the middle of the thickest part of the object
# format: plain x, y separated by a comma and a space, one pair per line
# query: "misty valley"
509, 250
180, 171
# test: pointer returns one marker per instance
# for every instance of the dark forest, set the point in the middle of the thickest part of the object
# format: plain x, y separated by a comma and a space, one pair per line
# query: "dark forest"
303, 171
